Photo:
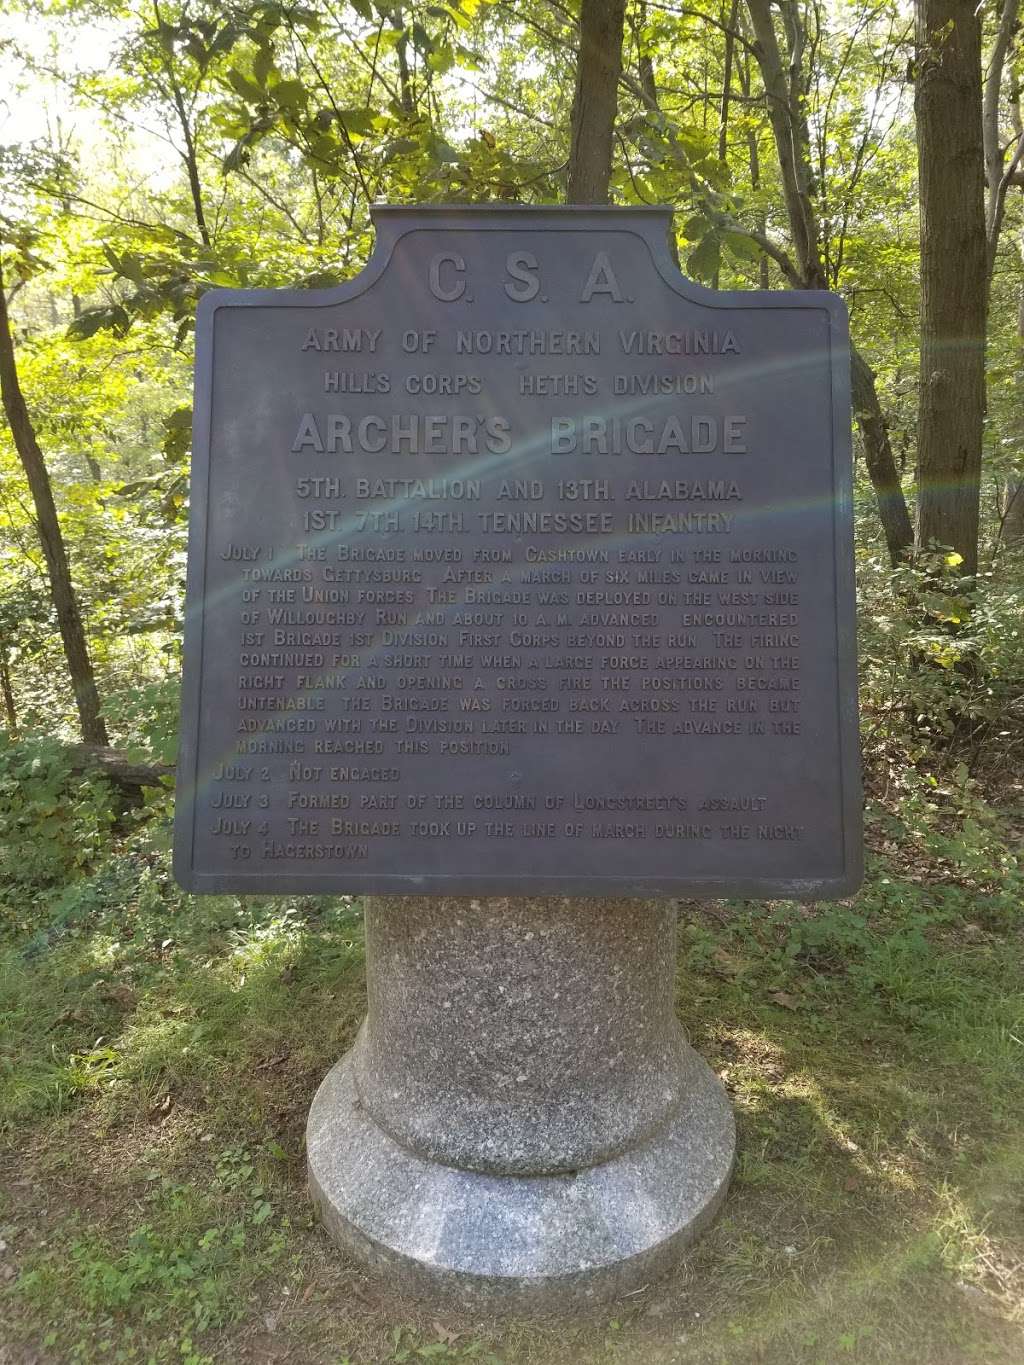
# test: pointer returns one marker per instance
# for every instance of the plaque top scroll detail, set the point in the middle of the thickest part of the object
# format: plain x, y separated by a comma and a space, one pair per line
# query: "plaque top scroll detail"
520, 564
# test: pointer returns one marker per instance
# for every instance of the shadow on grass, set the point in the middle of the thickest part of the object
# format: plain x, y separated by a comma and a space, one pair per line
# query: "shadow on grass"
155, 1196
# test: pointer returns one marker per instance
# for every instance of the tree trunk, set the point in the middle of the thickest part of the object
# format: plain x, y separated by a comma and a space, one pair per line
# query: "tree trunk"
595, 102
878, 456
785, 98
69, 618
8, 691
789, 127
723, 112
754, 157
998, 177
1011, 523
947, 102
649, 93
408, 97
729, 24
189, 156
1011, 528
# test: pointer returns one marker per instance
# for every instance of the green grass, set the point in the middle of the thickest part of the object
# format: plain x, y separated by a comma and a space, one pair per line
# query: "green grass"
158, 1055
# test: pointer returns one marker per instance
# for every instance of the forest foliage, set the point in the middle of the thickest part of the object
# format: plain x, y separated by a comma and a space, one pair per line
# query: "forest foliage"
154, 150
159, 1050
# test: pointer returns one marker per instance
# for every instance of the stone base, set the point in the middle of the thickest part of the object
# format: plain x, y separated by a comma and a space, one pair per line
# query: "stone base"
510, 1244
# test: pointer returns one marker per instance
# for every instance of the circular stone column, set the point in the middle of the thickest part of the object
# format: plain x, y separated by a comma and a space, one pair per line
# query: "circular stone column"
521, 1123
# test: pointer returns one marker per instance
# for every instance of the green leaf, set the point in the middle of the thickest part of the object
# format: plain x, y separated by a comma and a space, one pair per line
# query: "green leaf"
442, 59
225, 40
110, 317
290, 94
262, 66
327, 150
320, 279
703, 262
472, 61
199, 54
421, 39
459, 18
357, 121
741, 245
449, 12
444, 151
242, 85
165, 34
402, 146
132, 267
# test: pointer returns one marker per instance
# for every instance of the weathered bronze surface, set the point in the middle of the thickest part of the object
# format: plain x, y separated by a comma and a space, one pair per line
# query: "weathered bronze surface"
520, 564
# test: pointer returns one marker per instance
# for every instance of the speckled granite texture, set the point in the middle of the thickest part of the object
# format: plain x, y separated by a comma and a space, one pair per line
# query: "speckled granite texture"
521, 1124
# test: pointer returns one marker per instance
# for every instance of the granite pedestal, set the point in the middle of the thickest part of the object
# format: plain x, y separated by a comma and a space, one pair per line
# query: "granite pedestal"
521, 1124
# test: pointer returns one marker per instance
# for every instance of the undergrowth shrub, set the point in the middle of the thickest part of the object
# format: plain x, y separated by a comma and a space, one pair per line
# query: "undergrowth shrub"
54, 823
144, 717
941, 664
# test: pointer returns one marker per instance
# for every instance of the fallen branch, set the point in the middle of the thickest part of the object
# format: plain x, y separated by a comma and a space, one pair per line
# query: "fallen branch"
98, 760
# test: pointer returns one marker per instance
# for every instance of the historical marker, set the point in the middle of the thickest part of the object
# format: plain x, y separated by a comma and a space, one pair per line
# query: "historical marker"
519, 564
520, 571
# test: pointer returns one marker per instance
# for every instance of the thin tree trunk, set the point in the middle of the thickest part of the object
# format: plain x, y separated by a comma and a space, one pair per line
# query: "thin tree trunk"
760, 218
8, 691
645, 62
792, 143
649, 93
65, 601
880, 461
723, 114
723, 109
954, 272
789, 127
998, 177
192, 167
408, 96
1011, 523
754, 157
1011, 527
595, 102
189, 155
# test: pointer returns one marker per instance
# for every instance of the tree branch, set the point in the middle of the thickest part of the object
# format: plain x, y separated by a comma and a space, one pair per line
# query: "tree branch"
997, 180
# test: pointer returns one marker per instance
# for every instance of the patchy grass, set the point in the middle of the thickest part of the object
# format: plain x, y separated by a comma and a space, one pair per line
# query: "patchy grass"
159, 1053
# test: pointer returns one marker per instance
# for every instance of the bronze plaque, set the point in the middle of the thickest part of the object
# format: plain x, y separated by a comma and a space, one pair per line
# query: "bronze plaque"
520, 564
